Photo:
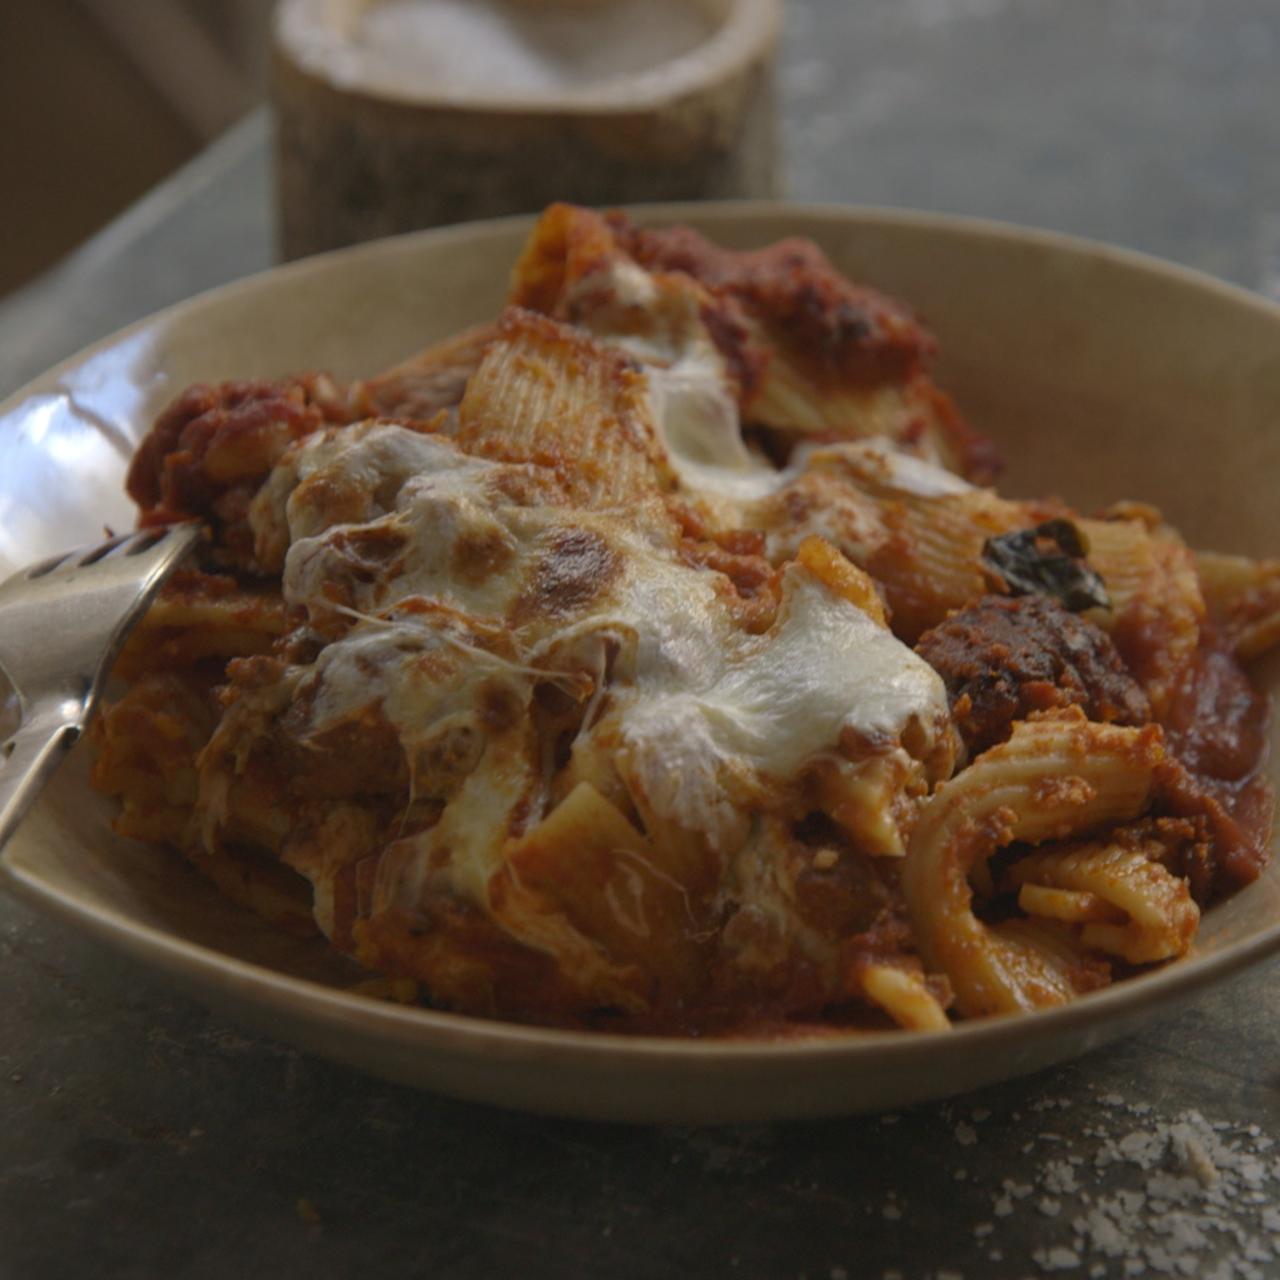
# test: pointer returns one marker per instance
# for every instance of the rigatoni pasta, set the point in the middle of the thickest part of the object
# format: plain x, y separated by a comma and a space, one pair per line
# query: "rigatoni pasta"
655, 658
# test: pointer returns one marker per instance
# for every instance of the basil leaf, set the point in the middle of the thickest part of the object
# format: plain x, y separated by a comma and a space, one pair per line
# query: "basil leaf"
1049, 561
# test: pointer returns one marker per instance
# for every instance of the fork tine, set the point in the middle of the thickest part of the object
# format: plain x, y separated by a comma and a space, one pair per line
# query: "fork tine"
145, 540
173, 543
56, 685
162, 542
158, 551
100, 552
46, 566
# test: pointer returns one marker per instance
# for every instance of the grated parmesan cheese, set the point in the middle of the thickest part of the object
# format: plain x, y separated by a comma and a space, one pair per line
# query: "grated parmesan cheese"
1179, 1196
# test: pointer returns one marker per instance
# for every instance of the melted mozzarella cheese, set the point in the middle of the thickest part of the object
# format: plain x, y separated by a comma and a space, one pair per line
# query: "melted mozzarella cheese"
836, 492
690, 394
344, 475
696, 412
772, 703
421, 670
703, 720
880, 461
697, 418
433, 505
825, 667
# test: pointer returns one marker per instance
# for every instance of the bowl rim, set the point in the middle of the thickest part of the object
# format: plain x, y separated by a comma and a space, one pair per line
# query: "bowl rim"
747, 210
1144, 995
268, 987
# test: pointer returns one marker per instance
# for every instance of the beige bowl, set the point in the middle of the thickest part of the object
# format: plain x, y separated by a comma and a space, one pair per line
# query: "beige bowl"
1102, 373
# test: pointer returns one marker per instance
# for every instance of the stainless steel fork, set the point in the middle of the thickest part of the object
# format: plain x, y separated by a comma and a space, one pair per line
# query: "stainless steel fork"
62, 622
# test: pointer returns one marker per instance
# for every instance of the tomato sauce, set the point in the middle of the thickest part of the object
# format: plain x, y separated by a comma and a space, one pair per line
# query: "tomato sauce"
1216, 725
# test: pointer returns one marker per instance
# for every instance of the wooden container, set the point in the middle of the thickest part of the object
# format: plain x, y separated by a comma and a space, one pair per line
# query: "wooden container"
392, 116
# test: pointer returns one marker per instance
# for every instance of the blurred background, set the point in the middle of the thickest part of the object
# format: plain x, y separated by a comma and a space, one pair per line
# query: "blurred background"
1141, 122
103, 98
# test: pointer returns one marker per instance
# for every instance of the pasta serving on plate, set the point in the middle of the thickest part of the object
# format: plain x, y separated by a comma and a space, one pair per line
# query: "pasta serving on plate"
658, 658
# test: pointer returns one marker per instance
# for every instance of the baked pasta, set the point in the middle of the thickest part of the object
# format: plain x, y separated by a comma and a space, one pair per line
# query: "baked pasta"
659, 658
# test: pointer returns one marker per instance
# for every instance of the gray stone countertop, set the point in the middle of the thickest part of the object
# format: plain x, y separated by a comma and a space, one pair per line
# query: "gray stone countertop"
142, 1136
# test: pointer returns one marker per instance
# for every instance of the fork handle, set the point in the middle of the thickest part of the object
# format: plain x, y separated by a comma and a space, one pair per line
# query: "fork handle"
35, 751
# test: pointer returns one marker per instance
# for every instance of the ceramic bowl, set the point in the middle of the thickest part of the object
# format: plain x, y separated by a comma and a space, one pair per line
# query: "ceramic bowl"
1101, 373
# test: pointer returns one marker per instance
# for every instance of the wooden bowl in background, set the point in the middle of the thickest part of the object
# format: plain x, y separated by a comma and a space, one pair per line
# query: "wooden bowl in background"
596, 102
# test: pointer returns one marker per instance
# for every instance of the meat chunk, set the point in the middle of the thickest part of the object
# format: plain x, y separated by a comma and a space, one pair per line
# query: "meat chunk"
1003, 658
208, 452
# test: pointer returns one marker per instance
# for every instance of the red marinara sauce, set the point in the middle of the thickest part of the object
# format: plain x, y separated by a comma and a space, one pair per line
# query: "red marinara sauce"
1216, 725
